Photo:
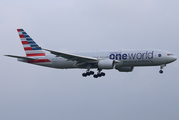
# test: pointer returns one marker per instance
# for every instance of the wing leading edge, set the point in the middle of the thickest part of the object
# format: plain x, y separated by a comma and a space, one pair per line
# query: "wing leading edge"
73, 57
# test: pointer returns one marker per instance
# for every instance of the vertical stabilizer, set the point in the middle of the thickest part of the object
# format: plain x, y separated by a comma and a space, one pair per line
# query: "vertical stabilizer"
30, 47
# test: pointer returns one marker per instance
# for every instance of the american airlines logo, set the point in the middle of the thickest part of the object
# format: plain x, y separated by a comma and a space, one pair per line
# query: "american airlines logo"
131, 56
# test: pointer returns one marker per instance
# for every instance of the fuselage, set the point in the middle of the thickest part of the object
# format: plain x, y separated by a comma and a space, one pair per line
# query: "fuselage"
146, 57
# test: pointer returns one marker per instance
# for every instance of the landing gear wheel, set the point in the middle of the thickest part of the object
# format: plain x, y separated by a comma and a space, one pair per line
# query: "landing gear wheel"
161, 71
102, 74
95, 76
88, 73
84, 74
91, 72
99, 74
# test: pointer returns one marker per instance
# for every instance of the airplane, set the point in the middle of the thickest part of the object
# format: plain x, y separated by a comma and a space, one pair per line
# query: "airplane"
121, 60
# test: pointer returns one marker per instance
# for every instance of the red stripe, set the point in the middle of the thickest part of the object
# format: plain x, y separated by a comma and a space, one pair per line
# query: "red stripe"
24, 42
18, 30
28, 48
21, 36
38, 61
35, 54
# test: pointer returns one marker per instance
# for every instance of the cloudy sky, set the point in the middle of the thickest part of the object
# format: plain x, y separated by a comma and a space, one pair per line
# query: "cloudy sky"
29, 92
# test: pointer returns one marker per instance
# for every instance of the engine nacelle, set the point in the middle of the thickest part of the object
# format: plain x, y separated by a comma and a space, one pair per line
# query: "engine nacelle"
106, 64
125, 69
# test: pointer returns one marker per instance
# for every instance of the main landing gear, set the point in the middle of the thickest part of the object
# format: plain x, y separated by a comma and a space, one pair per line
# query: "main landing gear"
99, 73
88, 73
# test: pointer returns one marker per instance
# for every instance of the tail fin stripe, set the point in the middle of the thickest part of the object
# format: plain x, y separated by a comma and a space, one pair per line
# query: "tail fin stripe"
23, 39
26, 45
28, 38
18, 30
33, 51
31, 42
28, 48
36, 54
21, 36
36, 49
25, 35
20, 33
34, 45
31, 48
24, 42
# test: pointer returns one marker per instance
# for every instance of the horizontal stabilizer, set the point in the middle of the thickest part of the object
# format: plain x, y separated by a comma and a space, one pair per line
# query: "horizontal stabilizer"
27, 58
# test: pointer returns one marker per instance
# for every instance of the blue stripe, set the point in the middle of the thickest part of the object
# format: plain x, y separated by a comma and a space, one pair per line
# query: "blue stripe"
31, 42
29, 39
34, 45
24, 33
21, 30
36, 48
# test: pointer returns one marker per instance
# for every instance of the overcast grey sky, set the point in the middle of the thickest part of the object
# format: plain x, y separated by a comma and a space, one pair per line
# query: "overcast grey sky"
29, 92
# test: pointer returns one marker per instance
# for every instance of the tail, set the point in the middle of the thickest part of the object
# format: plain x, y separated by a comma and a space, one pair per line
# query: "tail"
30, 47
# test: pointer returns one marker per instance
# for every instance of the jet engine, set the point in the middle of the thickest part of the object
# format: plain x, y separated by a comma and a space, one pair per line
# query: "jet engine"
125, 69
106, 64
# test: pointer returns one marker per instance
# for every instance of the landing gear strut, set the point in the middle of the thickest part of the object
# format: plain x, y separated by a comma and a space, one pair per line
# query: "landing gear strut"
161, 67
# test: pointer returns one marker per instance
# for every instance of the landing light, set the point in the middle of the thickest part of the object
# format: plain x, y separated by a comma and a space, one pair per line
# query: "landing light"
169, 54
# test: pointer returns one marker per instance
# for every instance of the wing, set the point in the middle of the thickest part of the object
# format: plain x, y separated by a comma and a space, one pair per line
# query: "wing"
73, 57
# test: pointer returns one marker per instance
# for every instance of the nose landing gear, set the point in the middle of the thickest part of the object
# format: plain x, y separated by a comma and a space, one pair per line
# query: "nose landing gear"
161, 67
161, 71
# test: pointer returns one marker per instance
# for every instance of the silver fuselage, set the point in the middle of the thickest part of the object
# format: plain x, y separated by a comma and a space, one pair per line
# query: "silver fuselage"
146, 57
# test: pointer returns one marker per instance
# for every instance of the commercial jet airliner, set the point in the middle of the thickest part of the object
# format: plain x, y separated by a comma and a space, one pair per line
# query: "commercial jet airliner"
121, 60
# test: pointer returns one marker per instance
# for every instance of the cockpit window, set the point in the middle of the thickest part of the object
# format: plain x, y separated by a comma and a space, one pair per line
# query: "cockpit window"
169, 54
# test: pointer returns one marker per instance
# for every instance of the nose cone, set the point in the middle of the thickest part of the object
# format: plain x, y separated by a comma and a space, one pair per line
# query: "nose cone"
172, 59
